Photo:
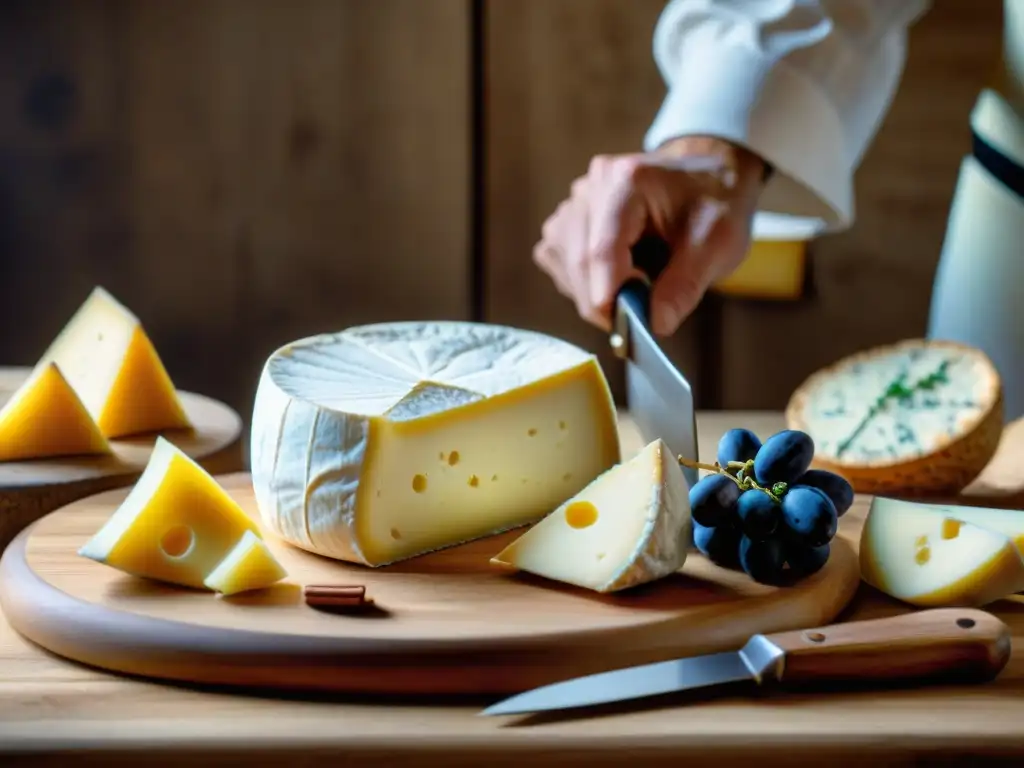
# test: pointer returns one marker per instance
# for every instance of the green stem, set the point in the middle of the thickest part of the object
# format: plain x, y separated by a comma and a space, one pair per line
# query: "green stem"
742, 477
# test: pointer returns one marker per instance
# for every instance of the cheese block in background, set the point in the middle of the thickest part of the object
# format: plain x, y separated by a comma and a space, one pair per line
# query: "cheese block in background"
776, 264
250, 565
628, 527
45, 418
387, 441
108, 359
917, 417
930, 559
176, 525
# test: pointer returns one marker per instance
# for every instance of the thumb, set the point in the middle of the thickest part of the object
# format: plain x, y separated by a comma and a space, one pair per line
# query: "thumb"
617, 223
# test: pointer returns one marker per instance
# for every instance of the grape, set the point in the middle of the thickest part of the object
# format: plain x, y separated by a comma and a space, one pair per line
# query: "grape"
836, 487
783, 458
737, 445
763, 561
720, 545
713, 500
810, 514
805, 561
758, 514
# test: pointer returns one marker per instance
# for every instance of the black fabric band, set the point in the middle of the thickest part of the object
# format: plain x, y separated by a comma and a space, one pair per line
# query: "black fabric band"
1005, 169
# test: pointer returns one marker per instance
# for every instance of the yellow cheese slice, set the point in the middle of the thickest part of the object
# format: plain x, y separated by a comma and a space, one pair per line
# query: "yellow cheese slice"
250, 565
928, 558
112, 365
176, 525
629, 526
772, 269
44, 418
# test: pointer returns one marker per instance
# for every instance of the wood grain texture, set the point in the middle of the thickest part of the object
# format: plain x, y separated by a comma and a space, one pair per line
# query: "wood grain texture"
31, 489
565, 80
240, 173
51, 707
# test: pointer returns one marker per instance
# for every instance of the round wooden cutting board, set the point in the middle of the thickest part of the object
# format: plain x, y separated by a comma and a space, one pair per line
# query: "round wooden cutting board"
30, 489
448, 622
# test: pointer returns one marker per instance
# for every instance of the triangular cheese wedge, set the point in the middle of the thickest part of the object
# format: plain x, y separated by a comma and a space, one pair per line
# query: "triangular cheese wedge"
629, 526
250, 565
929, 558
176, 525
44, 418
1009, 522
112, 365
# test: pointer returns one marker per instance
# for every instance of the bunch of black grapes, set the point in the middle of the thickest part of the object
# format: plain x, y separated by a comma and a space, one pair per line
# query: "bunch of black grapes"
765, 511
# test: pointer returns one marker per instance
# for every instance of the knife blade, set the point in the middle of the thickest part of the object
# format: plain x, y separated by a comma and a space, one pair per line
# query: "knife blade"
658, 396
940, 643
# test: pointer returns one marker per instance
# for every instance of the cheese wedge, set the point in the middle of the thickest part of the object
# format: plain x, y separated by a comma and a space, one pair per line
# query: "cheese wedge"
176, 525
630, 526
930, 559
250, 565
1008, 522
107, 357
44, 419
384, 442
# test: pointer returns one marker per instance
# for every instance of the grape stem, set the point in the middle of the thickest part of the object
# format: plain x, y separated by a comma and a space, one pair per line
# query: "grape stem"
742, 477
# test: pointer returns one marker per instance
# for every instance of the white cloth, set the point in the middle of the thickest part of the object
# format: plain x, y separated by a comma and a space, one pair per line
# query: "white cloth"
802, 83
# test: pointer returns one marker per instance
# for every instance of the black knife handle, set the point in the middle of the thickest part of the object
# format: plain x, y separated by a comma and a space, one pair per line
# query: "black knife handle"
650, 255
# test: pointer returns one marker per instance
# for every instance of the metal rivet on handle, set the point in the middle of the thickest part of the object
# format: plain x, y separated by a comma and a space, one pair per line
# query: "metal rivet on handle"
965, 623
815, 637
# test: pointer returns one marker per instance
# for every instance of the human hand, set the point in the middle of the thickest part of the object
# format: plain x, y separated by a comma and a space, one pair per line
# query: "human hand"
698, 194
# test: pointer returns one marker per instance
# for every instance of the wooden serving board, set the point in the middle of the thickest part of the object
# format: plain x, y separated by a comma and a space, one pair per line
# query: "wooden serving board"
446, 623
30, 489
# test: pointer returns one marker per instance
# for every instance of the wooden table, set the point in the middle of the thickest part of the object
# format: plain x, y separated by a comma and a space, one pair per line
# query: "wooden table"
48, 706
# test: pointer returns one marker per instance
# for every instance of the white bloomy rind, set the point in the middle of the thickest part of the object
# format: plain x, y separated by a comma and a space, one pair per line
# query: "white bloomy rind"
386, 441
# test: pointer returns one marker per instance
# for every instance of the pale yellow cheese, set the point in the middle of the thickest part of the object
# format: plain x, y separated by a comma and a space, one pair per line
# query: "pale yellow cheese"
44, 419
250, 565
629, 526
772, 269
108, 359
176, 525
929, 558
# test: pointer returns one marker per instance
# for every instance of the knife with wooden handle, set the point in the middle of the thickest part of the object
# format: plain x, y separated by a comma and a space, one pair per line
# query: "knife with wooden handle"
942, 644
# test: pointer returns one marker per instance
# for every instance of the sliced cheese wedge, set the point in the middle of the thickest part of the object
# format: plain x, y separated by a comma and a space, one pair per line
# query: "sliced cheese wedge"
1009, 522
384, 442
112, 365
250, 565
176, 525
928, 558
630, 526
44, 419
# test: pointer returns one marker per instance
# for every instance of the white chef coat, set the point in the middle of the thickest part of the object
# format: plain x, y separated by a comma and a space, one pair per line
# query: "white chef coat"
803, 83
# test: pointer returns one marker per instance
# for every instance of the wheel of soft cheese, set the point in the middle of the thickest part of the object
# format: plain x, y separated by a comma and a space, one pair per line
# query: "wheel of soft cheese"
917, 416
387, 441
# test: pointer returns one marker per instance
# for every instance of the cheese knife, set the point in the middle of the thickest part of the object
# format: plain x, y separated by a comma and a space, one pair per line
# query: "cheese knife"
937, 644
658, 396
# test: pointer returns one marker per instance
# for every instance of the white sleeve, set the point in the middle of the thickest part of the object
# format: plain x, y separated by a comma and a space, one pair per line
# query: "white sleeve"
802, 83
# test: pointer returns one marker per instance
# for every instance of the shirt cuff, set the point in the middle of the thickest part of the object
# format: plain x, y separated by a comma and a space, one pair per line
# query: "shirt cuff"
772, 109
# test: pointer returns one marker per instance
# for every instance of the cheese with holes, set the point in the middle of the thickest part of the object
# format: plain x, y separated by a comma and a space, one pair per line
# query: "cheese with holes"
629, 526
44, 418
917, 417
107, 357
176, 525
929, 558
250, 565
387, 441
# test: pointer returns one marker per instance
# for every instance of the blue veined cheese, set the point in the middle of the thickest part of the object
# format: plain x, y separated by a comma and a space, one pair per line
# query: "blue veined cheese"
387, 441
630, 526
923, 416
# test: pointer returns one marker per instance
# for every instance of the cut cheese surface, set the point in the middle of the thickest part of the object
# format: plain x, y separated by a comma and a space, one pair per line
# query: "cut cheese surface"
109, 360
387, 441
930, 559
629, 526
176, 525
250, 565
1008, 522
44, 419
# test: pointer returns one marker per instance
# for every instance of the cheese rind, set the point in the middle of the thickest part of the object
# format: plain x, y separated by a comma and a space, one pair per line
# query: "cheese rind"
630, 526
176, 525
249, 566
929, 558
384, 442
108, 359
45, 419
